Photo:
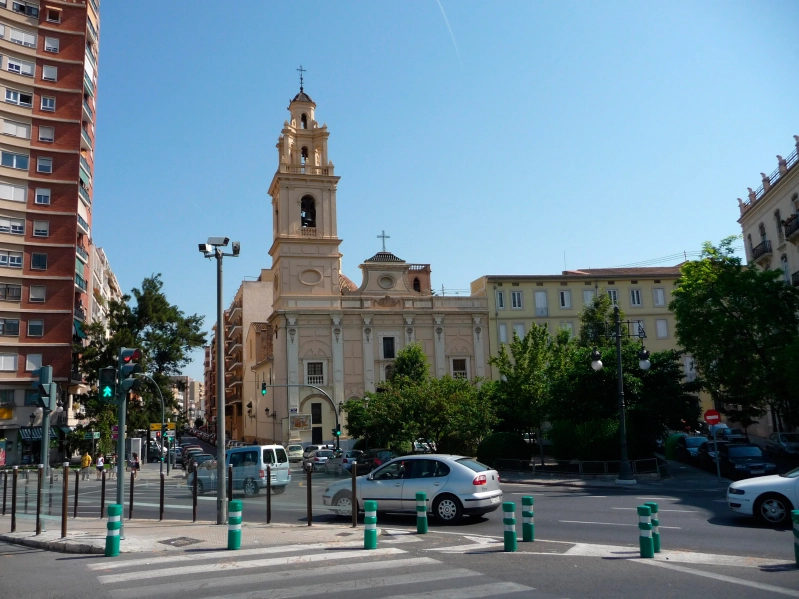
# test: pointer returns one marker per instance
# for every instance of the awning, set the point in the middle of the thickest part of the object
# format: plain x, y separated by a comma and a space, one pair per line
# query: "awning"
66, 429
78, 329
35, 433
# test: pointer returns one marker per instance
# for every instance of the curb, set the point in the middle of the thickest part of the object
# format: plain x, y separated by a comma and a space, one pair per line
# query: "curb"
59, 546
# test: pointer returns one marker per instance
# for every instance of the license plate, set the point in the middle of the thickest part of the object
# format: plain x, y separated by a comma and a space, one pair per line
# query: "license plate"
758, 471
495, 499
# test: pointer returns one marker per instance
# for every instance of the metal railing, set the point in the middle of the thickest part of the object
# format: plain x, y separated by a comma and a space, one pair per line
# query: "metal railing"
82, 252
772, 179
85, 164
791, 228
85, 135
88, 109
92, 30
759, 251
89, 83
84, 194
81, 282
83, 223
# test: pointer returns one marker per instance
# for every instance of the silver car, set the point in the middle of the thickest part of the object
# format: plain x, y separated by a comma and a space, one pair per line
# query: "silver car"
316, 459
455, 486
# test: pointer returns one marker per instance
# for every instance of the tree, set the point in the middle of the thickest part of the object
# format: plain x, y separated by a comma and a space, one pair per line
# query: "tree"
739, 323
410, 364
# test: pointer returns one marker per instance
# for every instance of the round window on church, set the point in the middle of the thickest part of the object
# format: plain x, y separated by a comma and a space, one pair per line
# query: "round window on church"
310, 277
386, 282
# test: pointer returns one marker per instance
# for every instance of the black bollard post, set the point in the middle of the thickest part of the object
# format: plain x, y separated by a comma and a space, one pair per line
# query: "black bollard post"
64, 500
310, 496
39, 485
230, 482
268, 494
161, 508
77, 484
14, 500
130, 503
194, 496
26, 496
5, 490
102, 495
354, 496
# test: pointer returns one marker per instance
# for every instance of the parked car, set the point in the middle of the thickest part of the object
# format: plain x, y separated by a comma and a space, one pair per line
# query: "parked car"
316, 461
706, 455
770, 499
783, 445
455, 486
342, 461
310, 449
688, 449
250, 464
295, 453
176, 455
742, 460
372, 458
197, 458
206, 477
187, 455
733, 435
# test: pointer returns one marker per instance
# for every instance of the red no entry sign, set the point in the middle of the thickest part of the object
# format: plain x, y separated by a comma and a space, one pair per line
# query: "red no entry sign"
712, 417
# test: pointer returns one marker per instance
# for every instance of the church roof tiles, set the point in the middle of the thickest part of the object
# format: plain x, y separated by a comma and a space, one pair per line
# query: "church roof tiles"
384, 257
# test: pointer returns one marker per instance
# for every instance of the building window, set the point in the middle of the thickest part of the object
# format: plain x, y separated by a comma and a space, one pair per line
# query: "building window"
35, 328
569, 326
19, 98
307, 212
786, 273
41, 228
31, 397
53, 15
49, 73
460, 368
659, 296
635, 298
518, 330
15, 129
52, 44
541, 304
588, 297
10, 293
23, 38
38, 294
389, 351
7, 396
516, 300
12, 160
503, 332
614, 296
33, 362
15, 193
12, 225
20, 67
500, 300
8, 362
43, 196
48, 104
47, 134
662, 327
417, 286
315, 374
637, 328
565, 297
32, 10
44, 165
9, 327
778, 219
11, 259
39, 261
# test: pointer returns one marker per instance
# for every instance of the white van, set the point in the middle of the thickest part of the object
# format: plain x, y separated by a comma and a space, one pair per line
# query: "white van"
249, 468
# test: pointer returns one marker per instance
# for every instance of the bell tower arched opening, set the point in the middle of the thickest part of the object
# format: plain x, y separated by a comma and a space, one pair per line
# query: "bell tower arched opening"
308, 212
304, 121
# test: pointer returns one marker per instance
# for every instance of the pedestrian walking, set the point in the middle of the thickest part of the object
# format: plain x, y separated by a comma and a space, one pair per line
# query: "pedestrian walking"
85, 464
112, 461
100, 466
134, 465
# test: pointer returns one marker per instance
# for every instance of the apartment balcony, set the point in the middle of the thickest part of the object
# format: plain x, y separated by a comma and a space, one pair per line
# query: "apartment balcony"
88, 84
80, 313
791, 230
315, 379
83, 226
85, 140
84, 195
81, 283
92, 30
795, 279
762, 252
82, 253
87, 111
234, 366
235, 332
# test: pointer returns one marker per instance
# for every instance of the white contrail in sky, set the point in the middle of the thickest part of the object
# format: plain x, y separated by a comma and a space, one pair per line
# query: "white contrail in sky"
452, 35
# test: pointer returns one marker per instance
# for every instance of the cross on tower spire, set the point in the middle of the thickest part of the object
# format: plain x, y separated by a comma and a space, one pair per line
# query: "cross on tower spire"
383, 236
301, 71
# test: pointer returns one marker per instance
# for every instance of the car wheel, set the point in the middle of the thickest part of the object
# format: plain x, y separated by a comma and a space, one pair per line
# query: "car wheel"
342, 503
773, 509
447, 509
200, 488
250, 488
279, 490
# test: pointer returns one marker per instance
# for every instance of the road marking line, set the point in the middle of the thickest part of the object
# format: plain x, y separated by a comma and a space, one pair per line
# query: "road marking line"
483, 590
267, 577
611, 524
687, 557
722, 578
236, 565
659, 510
352, 585
660, 498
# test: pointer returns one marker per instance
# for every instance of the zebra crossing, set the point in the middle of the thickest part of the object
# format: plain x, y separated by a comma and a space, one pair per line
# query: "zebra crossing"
300, 570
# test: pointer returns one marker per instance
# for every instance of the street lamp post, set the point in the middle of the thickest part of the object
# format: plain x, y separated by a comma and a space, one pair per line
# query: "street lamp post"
213, 249
626, 476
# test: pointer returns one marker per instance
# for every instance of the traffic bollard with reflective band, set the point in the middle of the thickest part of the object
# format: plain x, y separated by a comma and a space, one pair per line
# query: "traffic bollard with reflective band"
509, 520
645, 529
421, 512
795, 518
370, 524
112, 533
653, 507
14, 499
234, 525
528, 519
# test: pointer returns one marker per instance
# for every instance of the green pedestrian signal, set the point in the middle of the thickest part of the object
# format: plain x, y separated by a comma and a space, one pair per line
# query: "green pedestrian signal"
108, 392
337, 430
263, 388
107, 383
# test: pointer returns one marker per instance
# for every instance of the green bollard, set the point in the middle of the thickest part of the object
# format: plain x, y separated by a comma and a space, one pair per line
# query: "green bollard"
795, 518
421, 512
509, 520
655, 525
370, 525
528, 519
112, 530
645, 528
234, 525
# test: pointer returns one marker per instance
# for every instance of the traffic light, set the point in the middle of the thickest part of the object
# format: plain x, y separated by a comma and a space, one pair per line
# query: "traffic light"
263, 388
107, 384
47, 389
337, 430
128, 366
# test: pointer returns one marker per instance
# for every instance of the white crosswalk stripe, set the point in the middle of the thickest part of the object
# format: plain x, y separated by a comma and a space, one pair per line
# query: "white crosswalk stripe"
309, 570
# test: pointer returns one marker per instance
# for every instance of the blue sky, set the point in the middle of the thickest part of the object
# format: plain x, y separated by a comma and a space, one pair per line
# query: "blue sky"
612, 133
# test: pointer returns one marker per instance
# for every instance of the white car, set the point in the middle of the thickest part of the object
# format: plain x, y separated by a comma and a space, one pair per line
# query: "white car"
770, 499
295, 453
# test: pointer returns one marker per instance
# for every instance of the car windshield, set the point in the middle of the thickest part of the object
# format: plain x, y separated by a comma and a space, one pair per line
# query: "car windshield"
792, 474
694, 441
324, 454
735, 431
295, 447
790, 437
744, 451
473, 465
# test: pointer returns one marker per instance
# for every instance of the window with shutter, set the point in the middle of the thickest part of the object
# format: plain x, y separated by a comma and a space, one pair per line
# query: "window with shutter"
15, 193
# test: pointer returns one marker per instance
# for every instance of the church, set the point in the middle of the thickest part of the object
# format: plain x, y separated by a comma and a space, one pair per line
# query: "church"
328, 339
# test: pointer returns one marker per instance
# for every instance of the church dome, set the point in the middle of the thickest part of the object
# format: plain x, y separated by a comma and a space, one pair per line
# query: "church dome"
302, 97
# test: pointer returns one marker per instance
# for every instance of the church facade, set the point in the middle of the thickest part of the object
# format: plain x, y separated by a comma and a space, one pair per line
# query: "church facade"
327, 339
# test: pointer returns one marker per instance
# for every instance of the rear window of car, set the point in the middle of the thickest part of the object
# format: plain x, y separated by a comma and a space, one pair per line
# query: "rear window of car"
353, 454
282, 458
324, 454
295, 447
473, 465
743, 451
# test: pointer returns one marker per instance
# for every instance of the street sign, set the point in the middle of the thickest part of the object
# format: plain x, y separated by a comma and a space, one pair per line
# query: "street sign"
115, 428
156, 426
712, 417
114, 436
91, 435
170, 434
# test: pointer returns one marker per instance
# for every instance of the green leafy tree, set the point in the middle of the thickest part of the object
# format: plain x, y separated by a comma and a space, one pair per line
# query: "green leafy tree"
739, 323
410, 365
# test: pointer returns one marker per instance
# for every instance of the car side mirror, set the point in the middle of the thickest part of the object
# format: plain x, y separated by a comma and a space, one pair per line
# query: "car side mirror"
370, 477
